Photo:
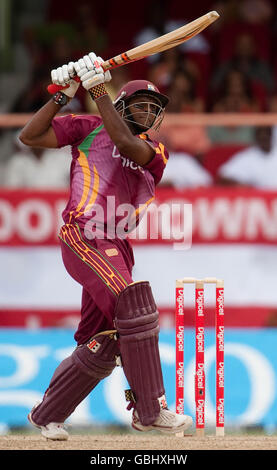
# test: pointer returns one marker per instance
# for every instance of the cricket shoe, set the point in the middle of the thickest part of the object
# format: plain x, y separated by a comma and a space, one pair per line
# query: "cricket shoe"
167, 422
53, 431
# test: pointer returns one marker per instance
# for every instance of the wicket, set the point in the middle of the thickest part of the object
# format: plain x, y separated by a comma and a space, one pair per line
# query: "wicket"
200, 351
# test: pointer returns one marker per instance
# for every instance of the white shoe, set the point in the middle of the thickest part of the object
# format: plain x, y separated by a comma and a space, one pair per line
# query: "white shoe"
167, 422
53, 431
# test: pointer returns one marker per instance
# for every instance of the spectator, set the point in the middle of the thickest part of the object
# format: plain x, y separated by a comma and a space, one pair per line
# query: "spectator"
26, 57
184, 171
173, 62
182, 94
34, 95
162, 66
61, 49
198, 43
159, 23
90, 35
236, 97
247, 11
256, 11
255, 166
236, 94
37, 168
245, 60
161, 72
54, 46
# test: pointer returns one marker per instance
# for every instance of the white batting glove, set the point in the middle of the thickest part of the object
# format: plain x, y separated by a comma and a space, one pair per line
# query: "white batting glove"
63, 76
90, 71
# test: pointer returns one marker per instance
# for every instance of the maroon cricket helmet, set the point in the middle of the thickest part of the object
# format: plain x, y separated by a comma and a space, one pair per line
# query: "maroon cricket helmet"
141, 87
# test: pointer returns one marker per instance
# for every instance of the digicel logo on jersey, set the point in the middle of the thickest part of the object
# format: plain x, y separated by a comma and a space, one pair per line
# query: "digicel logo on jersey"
126, 162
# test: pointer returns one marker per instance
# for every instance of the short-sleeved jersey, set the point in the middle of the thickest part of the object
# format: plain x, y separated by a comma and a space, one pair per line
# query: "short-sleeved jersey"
101, 179
252, 166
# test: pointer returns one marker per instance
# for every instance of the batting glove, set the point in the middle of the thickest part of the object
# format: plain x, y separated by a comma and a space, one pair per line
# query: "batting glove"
63, 76
90, 71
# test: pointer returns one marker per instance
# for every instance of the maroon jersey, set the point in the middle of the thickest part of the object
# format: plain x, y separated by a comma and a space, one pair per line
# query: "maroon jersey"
100, 176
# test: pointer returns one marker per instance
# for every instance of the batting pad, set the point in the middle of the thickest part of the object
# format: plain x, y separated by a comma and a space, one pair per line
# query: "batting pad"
76, 377
137, 323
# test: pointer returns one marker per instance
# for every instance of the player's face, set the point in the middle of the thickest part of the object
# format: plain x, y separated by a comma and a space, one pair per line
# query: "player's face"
144, 110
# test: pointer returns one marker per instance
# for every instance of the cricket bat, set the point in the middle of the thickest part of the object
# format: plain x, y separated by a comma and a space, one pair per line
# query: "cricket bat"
167, 41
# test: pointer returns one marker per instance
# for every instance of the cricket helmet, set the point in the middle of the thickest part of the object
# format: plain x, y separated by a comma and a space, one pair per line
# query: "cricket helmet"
141, 88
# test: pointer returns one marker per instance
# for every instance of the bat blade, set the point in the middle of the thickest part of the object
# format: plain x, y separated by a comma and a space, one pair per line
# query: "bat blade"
167, 41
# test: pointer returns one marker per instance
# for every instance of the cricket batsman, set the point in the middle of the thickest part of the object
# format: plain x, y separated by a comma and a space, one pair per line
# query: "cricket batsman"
112, 157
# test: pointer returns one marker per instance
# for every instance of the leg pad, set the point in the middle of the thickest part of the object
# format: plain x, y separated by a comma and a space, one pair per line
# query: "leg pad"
76, 377
137, 323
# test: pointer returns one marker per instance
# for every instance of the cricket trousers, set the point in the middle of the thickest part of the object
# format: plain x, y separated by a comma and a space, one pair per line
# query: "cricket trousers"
103, 268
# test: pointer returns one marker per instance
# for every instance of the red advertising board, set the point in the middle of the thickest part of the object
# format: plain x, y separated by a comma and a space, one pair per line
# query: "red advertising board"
219, 215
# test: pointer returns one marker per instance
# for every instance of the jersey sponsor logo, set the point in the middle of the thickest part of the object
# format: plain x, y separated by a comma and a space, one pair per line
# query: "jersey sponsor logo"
126, 162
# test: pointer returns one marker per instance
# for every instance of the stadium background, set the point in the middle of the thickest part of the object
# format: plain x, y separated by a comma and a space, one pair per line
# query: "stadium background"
235, 228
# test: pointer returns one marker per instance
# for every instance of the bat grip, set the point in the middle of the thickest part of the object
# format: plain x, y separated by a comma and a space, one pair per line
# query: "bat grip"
106, 65
52, 89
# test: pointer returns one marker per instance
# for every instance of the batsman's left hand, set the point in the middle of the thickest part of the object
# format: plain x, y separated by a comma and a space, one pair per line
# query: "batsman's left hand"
63, 78
90, 71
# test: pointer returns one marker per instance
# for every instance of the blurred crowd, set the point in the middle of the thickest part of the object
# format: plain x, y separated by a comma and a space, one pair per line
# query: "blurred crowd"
231, 67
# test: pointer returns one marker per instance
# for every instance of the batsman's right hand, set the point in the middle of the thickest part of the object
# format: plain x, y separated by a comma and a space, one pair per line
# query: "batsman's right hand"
63, 77
90, 71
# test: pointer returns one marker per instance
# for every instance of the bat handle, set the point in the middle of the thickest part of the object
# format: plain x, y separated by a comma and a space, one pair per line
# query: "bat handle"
52, 89
106, 65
